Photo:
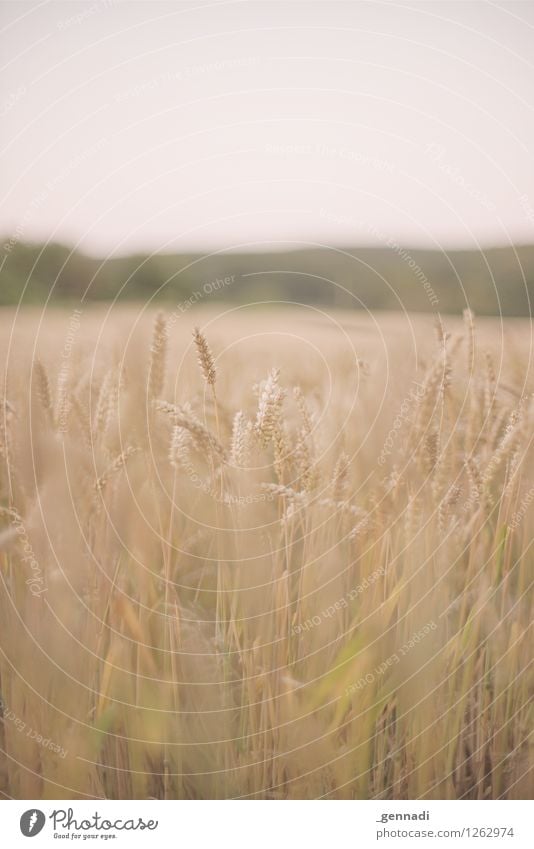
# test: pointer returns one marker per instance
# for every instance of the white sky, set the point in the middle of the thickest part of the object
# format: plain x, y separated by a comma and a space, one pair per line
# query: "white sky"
168, 126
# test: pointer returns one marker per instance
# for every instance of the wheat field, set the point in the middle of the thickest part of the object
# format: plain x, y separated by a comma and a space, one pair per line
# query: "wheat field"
270, 554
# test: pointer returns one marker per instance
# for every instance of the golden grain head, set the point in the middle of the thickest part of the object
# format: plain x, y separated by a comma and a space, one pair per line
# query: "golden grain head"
205, 357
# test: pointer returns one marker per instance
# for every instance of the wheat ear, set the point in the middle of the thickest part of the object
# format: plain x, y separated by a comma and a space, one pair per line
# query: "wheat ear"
180, 444
115, 467
205, 357
241, 431
203, 438
340, 477
158, 357
269, 408
42, 385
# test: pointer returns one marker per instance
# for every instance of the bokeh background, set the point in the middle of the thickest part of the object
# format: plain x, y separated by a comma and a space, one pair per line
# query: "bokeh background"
266, 408
151, 147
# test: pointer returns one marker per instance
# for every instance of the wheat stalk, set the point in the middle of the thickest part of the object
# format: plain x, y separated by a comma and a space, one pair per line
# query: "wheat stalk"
269, 407
469, 325
115, 467
303, 461
209, 597
42, 385
83, 418
205, 357
158, 357
281, 451
340, 477
307, 421
184, 417
180, 445
240, 446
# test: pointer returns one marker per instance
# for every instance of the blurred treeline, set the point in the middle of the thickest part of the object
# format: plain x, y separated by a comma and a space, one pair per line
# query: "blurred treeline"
497, 280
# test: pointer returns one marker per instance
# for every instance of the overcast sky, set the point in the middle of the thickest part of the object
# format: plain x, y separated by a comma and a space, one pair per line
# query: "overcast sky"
132, 125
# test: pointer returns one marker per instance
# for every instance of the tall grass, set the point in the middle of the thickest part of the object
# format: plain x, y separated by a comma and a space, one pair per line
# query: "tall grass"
269, 592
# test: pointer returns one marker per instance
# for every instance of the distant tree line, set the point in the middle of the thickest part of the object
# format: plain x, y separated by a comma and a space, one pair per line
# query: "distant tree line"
494, 281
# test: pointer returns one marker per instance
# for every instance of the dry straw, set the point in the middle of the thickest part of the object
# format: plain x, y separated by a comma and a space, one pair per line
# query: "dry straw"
170, 636
115, 467
42, 386
241, 433
269, 407
203, 439
158, 356
205, 357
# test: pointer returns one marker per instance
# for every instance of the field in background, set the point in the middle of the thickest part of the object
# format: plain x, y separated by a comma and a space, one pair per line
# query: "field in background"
290, 559
494, 281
